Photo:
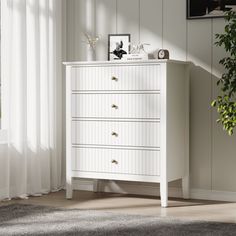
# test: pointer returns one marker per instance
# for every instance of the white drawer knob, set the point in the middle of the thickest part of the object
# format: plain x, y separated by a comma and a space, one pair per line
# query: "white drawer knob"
114, 106
114, 78
114, 134
114, 162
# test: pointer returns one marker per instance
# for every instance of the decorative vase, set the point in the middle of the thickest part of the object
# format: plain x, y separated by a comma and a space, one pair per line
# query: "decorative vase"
91, 56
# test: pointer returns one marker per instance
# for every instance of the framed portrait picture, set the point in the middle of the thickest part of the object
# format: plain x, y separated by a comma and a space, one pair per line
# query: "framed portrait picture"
209, 8
118, 45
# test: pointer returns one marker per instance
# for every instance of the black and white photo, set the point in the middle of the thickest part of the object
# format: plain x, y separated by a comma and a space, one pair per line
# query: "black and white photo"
118, 46
209, 8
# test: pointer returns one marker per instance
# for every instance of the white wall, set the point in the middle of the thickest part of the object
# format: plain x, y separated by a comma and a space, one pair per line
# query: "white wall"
163, 24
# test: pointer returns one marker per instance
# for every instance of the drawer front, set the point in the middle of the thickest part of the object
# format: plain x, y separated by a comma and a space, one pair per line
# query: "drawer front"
135, 162
116, 106
136, 134
104, 78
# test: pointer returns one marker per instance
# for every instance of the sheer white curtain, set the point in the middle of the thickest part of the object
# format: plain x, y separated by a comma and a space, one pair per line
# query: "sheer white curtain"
31, 161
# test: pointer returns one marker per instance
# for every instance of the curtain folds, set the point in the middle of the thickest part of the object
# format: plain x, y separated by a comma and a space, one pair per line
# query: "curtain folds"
31, 161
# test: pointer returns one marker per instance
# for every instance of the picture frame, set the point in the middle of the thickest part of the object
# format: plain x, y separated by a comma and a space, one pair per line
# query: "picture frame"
208, 8
118, 45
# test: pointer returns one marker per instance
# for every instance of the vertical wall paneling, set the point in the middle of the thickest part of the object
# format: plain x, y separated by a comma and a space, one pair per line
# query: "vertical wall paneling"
81, 18
174, 28
199, 52
70, 27
224, 148
79, 27
128, 18
151, 24
105, 24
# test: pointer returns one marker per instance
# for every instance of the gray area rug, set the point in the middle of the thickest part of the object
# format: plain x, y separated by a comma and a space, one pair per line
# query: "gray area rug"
18, 219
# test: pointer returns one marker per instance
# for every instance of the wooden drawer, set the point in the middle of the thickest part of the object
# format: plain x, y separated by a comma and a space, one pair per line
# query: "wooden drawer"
146, 106
135, 162
137, 134
139, 77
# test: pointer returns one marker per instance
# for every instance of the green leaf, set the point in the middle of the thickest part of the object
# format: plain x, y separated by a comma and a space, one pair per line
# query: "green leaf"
225, 103
213, 104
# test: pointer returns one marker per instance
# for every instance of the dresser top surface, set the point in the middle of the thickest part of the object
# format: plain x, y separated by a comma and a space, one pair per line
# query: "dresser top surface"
120, 62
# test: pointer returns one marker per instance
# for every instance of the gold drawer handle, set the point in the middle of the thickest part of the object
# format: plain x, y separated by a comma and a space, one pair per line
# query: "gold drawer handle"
114, 106
114, 134
114, 162
114, 78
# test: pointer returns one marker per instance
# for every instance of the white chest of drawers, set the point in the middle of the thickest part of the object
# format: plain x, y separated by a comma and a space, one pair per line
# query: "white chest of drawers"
128, 121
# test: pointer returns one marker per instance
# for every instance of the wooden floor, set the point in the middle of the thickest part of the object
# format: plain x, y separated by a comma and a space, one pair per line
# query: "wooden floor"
142, 205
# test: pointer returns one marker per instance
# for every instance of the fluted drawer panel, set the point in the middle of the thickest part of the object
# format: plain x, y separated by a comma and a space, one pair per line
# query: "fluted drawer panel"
136, 162
116, 105
140, 134
138, 77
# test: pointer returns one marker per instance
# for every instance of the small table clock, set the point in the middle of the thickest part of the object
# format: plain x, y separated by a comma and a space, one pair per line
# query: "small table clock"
163, 54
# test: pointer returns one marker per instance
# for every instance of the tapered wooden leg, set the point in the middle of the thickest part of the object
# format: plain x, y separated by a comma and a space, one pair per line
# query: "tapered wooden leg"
95, 186
164, 194
69, 189
185, 187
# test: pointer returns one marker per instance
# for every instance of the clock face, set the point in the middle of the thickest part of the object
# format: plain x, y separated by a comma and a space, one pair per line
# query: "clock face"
161, 54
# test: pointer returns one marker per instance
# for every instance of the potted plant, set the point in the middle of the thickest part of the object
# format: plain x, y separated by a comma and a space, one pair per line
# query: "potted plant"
226, 101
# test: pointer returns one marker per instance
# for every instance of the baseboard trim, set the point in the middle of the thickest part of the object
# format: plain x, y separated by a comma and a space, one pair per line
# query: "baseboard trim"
213, 195
152, 190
